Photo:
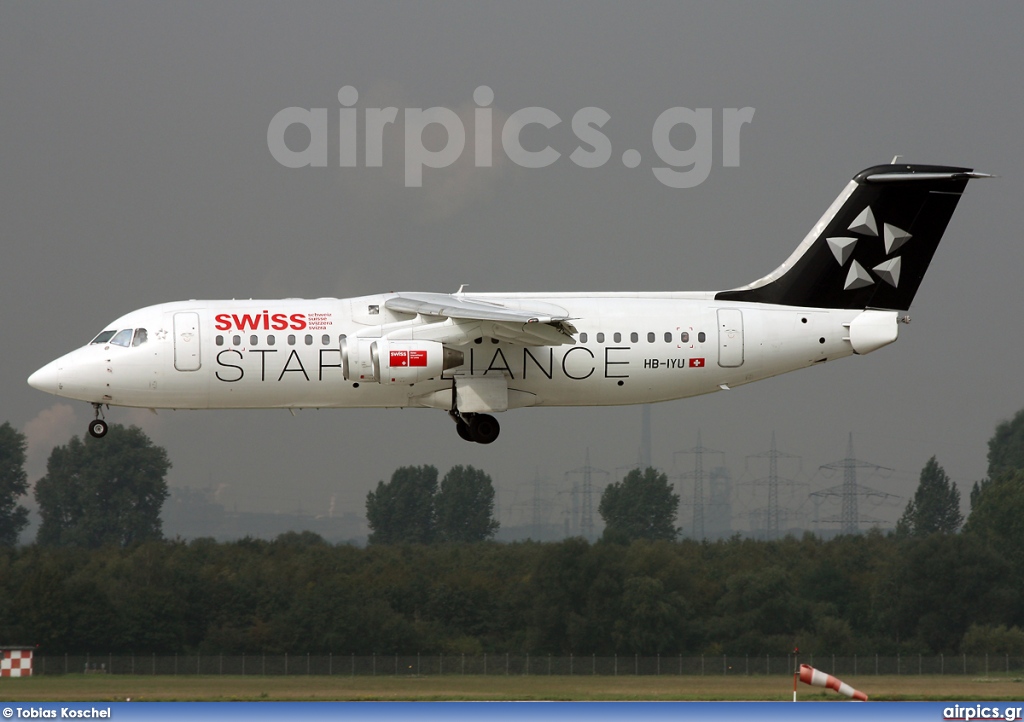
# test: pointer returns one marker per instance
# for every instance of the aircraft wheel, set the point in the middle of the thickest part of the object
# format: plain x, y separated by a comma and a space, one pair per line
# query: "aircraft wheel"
98, 429
484, 428
463, 428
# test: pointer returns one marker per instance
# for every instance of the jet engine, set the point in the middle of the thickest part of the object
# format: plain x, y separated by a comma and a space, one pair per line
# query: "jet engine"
356, 364
390, 361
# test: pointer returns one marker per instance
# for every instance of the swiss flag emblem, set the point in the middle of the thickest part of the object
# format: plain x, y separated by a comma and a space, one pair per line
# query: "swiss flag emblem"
399, 358
696, 363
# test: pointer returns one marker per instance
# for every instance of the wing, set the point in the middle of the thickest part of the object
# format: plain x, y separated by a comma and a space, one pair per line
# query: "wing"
455, 319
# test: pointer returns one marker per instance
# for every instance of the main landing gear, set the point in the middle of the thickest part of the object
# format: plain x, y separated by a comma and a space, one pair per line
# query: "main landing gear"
480, 428
98, 427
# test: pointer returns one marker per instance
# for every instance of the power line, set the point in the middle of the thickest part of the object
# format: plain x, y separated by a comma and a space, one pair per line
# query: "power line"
697, 475
535, 517
772, 512
850, 492
581, 496
718, 510
644, 455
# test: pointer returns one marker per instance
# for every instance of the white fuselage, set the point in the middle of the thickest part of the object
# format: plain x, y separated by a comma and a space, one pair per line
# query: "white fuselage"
631, 348
839, 293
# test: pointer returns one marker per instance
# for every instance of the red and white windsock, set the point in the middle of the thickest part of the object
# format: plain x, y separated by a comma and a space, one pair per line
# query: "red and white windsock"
810, 675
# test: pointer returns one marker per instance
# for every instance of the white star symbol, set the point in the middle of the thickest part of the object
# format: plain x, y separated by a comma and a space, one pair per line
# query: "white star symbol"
842, 248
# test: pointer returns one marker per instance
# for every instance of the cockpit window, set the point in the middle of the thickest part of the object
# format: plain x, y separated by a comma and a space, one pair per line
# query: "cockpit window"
104, 337
123, 338
140, 337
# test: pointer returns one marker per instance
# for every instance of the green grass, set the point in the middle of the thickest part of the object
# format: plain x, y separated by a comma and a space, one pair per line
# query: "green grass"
118, 688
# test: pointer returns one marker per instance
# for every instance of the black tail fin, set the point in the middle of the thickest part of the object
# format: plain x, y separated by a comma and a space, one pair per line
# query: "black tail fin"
872, 246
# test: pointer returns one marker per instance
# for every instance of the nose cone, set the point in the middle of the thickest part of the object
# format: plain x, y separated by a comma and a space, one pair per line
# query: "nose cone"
47, 378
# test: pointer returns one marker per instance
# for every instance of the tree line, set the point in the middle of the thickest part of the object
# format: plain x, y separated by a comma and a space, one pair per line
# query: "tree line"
929, 587
297, 594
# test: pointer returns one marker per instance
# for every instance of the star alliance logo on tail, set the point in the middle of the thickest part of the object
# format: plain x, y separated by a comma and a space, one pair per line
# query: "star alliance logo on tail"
865, 226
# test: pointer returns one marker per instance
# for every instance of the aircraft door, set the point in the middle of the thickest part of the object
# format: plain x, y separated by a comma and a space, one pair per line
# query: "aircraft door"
186, 341
730, 337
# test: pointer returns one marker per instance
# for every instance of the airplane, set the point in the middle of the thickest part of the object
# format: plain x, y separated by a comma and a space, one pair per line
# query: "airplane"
844, 291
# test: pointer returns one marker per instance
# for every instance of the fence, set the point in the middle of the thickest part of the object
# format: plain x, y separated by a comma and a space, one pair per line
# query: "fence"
509, 664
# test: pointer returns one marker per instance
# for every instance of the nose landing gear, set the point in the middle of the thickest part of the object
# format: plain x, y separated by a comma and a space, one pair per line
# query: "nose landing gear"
98, 427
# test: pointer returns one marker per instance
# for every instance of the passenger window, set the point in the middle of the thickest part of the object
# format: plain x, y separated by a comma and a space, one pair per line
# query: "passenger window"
291, 339
123, 338
634, 337
253, 340
326, 340
668, 337
236, 340
685, 337
271, 340
219, 340
140, 337
650, 337
617, 337
600, 337
583, 337
702, 337
309, 339
104, 337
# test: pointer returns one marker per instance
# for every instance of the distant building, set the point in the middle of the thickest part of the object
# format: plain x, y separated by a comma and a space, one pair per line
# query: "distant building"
192, 513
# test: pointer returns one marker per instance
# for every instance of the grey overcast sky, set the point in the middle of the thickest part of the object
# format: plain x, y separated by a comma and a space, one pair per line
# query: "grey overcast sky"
134, 169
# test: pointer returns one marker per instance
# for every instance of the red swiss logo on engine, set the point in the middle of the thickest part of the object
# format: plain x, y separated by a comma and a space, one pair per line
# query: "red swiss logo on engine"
401, 359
